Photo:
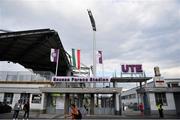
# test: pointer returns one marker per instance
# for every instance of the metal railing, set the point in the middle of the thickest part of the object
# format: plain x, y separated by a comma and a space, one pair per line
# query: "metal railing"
25, 75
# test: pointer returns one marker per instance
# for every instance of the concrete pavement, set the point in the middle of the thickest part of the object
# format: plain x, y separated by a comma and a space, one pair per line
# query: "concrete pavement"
131, 115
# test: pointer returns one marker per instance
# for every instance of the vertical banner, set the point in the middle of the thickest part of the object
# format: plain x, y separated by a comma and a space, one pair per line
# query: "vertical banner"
78, 59
100, 60
73, 57
54, 55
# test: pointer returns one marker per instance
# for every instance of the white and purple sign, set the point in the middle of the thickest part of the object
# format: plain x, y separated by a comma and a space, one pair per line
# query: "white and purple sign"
131, 68
54, 55
80, 79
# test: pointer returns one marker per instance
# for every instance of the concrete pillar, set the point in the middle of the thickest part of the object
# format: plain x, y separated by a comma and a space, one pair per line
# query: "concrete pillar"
97, 100
92, 104
140, 85
117, 103
114, 84
147, 110
114, 103
67, 104
81, 100
141, 95
145, 84
120, 104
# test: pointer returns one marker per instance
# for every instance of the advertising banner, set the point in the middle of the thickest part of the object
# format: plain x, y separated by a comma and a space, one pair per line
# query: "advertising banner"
159, 82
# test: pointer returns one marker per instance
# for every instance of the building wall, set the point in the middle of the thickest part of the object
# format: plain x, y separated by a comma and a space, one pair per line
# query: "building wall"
169, 98
33, 106
60, 100
45, 101
170, 102
16, 97
152, 101
138, 98
129, 101
37, 106
169, 109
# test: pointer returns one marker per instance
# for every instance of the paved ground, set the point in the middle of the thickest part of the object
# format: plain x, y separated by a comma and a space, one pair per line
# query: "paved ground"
125, 115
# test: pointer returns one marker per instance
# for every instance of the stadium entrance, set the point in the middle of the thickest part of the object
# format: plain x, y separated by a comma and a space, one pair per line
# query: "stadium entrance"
89, 100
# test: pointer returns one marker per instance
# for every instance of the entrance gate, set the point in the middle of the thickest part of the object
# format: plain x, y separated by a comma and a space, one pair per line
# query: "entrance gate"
98, 104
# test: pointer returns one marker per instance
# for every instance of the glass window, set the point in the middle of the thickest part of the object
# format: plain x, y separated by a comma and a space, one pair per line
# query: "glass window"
123, 97
36, 98
160, 98
132, 96
8, 98
169, 85
174, 84
24, 97
11, 77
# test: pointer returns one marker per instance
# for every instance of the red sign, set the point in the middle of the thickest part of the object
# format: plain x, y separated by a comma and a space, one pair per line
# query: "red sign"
132, 68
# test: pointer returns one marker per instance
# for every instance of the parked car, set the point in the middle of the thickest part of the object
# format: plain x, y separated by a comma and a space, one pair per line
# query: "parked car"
133, 106
5, 108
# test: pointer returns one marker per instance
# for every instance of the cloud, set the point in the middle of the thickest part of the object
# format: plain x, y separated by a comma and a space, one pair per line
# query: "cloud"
128, 31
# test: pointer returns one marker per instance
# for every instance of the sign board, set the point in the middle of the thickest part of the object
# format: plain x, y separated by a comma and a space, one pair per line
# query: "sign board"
159, 82
36, 98
131, 68
80, 79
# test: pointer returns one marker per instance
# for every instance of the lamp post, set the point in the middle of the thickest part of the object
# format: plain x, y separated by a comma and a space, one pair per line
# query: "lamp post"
94, 41
94, 57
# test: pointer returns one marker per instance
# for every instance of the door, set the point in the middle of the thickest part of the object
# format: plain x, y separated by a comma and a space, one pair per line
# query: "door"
177, 103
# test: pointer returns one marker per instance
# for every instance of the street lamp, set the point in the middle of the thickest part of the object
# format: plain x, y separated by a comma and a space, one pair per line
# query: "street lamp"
94, 41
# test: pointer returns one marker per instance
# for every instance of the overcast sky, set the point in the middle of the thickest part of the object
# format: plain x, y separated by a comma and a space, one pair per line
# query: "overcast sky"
143, 32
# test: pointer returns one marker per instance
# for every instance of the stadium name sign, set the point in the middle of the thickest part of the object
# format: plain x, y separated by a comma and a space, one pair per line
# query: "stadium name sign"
80, 79
131, 68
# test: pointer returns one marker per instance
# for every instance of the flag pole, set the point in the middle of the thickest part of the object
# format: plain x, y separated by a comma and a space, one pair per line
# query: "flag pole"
94, 43
103, 72
94, 54
57, 62
78, 60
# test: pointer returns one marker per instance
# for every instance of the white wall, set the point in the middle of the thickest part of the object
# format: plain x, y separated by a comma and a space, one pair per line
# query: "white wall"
60, 102
16, 97
1, 97
45, 101
152, 101
170, 102
36, 106
169, 98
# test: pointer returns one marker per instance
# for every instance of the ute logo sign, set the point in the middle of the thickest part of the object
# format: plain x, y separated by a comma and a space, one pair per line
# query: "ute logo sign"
137, 68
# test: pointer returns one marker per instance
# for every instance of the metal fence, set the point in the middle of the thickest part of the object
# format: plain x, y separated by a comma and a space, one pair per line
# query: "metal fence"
25, 75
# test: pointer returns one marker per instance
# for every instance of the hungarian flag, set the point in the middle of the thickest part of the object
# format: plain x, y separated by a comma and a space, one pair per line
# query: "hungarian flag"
99, 54
76, 58
54, 55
